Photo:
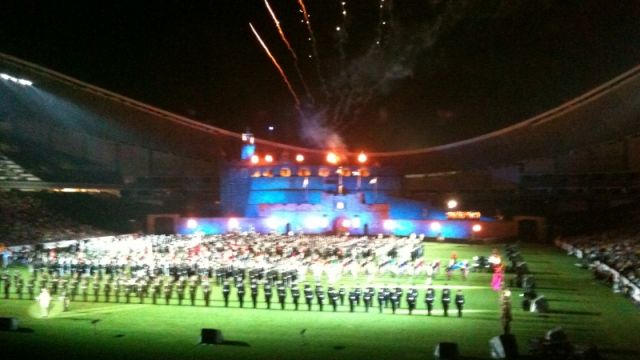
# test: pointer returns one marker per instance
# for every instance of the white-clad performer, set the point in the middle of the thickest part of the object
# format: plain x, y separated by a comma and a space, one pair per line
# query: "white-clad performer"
44, 299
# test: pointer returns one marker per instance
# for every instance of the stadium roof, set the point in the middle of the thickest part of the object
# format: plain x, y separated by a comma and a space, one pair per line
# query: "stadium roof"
606, 113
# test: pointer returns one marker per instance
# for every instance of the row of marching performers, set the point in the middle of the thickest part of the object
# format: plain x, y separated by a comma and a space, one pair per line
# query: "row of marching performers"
177, 256
261, 293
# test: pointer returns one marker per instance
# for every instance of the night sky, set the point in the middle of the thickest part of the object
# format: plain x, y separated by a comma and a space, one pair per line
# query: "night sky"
442, 71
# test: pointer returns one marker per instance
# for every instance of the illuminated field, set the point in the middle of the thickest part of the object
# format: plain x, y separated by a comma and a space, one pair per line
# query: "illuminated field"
589, 312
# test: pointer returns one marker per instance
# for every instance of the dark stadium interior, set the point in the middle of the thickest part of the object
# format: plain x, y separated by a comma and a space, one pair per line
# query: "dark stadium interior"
151, 187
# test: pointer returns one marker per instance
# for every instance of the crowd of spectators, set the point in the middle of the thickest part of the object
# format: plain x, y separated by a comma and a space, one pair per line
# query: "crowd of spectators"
613, 256
24, 219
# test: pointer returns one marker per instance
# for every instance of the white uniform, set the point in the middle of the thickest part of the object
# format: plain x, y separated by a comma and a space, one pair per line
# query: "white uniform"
44, 299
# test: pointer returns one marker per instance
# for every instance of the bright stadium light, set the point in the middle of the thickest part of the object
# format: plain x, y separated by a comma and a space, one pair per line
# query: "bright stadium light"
435, 226
233, 224
389, 224
299, 158
362, 158
255, 159
476, 228
346, 223
273, 222
23, 82
452, 204
192, 224
332, 158
355, 222
268, 158
316, 222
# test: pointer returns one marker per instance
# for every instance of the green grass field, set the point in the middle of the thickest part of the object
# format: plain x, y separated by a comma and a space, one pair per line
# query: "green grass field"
589, 313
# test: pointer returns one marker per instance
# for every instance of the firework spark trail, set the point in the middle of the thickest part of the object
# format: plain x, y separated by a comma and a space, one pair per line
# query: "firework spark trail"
275, 62
336, 111
314, 48
401, 67
293, 53
381, 24
342, 35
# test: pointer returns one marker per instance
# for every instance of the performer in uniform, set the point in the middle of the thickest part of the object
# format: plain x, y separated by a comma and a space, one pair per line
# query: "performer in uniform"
31, 288
446, 300
117, 286
353, 300
254, 292
429, 299
342, 292
295, 294
84, 288
155, 291
44, 299
282, 294
206, 290
128, 289
193, 288
267, 294
387, 296
459, 302
320, 296
64, 299
412, 296
226, 289
140, 286
333, 298
19, 287
367, 298
308, 295
399, 293
395, 300
168, 292
358, 291
240, 291
180, 290
381, 299
107, 290
96, 290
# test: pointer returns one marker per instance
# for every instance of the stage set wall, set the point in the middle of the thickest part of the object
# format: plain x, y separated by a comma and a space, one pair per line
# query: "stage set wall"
448, 229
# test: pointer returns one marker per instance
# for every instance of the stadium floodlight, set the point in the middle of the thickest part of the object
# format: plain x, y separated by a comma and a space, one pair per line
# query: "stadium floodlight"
255, 159
23, 82
435, 226
476, 228
192, 224
389, 224
452, 204
332, 158
355, 222
316, 222
273, 223
268, 158
362, 158
299, 158
233, 224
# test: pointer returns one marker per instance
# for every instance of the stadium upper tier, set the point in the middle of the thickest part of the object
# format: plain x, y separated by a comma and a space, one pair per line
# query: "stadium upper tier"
608, 112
